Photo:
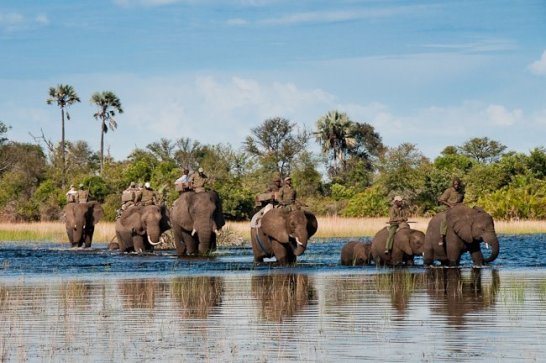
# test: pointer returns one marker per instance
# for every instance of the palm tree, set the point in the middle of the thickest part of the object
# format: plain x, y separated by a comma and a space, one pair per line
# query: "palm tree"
64, 95
108, 103
334, 135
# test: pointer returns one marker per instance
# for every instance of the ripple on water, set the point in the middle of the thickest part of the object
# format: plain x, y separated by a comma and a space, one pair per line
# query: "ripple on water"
58, 304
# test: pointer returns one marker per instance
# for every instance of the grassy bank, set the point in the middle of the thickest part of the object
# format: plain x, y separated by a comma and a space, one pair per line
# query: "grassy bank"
234, 232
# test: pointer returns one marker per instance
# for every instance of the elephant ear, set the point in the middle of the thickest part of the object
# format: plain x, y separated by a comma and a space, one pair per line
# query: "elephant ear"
312, 223
131, 219
218, 216
460, 219
98, 212
274, 224
165, 222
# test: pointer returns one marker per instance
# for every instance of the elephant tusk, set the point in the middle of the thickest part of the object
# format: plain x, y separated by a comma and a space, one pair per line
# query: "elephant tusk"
216, 231
298, 242
153, 243
486, 245
193, 232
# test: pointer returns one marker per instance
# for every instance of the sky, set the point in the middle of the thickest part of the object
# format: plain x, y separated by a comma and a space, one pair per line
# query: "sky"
430, 73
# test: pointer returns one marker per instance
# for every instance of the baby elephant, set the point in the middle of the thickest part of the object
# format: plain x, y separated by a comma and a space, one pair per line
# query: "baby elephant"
356, 254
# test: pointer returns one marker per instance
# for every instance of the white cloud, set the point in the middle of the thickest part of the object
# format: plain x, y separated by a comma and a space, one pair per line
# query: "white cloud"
539, 67
334, 16
499, 115
13, 21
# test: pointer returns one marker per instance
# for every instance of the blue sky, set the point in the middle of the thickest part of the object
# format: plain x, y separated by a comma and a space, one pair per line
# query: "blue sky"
432, 73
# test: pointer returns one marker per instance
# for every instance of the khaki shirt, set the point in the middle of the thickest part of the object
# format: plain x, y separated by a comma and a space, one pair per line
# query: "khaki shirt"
287, 195
398, 215
83, 195
199, 181
451, 196
148, 197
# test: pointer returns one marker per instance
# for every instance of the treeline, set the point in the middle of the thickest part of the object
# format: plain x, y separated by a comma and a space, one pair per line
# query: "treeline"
361, 174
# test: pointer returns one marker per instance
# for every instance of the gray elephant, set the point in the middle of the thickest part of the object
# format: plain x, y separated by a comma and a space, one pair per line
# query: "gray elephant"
356, 253
139, 228
407, 244
196, 218
466, 228
282, 234
80, 220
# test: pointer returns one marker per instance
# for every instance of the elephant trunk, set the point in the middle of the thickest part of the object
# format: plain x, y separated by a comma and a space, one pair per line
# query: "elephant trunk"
493, 241
301, 245
204, 234
153, 236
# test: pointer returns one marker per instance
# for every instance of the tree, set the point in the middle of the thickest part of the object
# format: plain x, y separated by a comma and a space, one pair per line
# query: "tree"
108, 104
64, 95
3, 130
276, 143
333, 135
482, 149
342, 139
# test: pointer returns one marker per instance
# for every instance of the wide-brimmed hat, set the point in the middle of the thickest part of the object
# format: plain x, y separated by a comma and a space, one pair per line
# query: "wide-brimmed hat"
147, 185
287, 178
200, 170
397, 199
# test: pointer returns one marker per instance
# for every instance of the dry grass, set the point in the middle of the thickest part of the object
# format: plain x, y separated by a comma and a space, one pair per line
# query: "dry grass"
328, 227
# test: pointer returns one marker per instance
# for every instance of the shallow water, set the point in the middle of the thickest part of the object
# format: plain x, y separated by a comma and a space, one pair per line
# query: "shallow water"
93, 305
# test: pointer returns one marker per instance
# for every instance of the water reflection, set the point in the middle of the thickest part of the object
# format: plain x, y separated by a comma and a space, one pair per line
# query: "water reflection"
281, 296
141, 294
197, 296
455, 295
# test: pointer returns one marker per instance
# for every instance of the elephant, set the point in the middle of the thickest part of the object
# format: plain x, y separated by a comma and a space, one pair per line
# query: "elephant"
454, 296
197, 296
466, 228
355, 253
196, 218
407, 244
80, 220
139, 228
281, 296
283, 234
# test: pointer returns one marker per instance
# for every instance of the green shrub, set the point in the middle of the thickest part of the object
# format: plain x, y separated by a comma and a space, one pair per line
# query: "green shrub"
369, 203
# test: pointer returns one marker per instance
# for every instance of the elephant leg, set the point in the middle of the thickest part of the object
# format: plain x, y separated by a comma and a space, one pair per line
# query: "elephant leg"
138, 243
179, 241
192, 246
89, 237
396, 257
476, 253
259, 255
124, 238
283, 255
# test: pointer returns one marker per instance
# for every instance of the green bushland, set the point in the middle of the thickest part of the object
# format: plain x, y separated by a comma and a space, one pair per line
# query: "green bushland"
359, 177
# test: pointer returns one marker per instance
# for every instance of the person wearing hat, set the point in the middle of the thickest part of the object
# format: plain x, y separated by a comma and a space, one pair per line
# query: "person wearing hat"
397, 214
270, 194
72, 194
129, 196
148, 196
287, 194
83, 195
450, 197
199, 180
182, 184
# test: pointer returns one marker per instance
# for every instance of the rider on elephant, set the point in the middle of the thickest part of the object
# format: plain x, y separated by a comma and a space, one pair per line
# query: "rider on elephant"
83, 195
199, 181
129, 196
287, 194
270, 194
148, 196
182, 184
397, 214
451, 197
72, 195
